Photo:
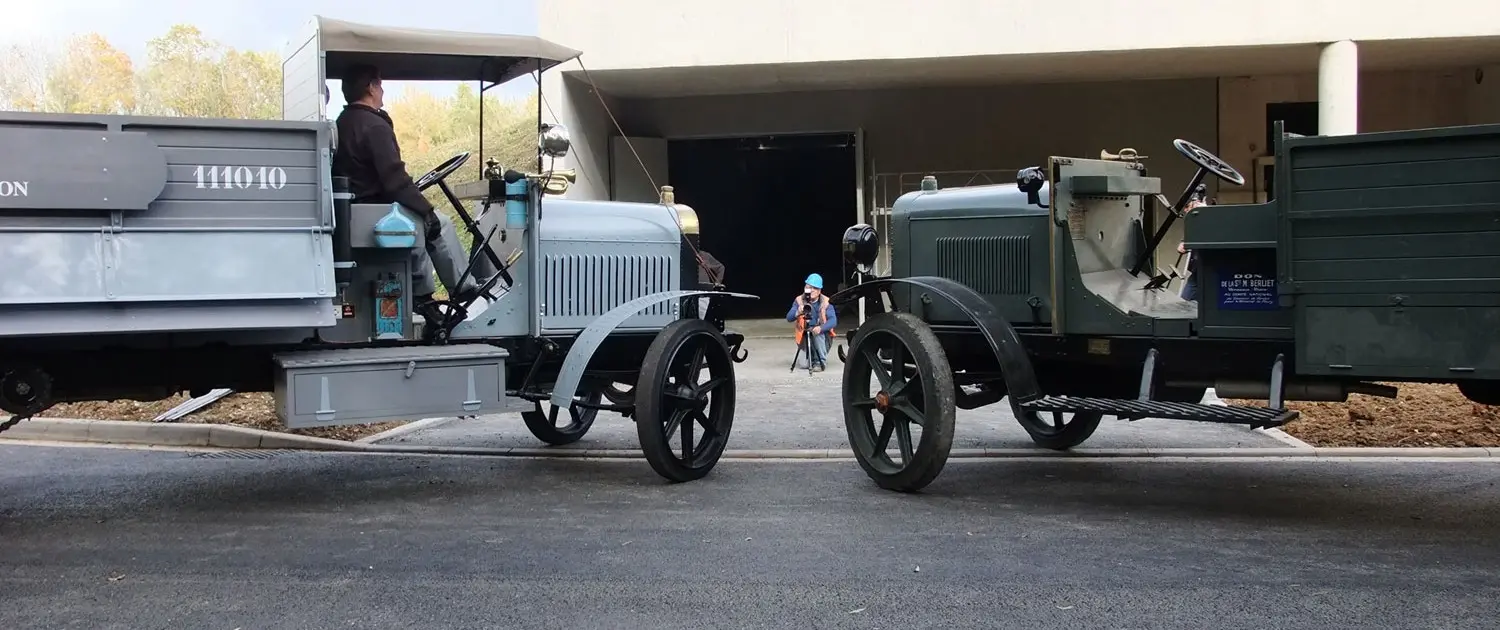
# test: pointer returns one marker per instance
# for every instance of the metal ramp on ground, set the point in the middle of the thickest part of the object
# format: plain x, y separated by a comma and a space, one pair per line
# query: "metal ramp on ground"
192, 405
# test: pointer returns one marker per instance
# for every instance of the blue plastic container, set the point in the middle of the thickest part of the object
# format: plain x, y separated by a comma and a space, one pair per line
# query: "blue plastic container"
515, 211
395, 230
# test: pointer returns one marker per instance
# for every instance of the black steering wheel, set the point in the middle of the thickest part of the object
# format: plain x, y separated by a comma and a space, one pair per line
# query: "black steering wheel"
443, 170
441, 317
1209, 162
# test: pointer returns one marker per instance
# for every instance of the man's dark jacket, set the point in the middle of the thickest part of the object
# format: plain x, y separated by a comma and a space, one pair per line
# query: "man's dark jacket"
710, 271
369, 156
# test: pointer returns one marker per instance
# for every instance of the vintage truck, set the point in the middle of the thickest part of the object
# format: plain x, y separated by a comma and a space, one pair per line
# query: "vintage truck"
148, 256
1376, 261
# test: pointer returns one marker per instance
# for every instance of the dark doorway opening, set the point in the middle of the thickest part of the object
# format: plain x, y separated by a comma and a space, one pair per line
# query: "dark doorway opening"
771, 208
1299, 117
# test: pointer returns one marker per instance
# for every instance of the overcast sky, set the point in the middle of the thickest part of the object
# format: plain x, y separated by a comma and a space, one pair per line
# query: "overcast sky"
259, 24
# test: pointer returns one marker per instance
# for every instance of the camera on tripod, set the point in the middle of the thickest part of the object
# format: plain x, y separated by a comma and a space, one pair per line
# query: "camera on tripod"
804, 347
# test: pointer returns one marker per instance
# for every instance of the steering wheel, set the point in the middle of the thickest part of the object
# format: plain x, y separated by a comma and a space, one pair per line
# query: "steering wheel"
441, 316
442, 171
1209, 162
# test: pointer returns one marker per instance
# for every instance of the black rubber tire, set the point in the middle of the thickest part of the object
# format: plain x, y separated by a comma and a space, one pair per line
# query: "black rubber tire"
1046, 435
938, 406
540, 422
652, 389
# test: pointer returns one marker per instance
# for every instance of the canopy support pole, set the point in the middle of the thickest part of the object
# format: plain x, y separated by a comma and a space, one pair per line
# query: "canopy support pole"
539, 115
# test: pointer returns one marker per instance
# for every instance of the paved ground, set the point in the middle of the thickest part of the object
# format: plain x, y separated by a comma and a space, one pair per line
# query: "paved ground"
101, 538
778, 408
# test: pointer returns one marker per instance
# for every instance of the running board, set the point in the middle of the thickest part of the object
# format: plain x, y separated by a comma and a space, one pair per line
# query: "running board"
1259, 417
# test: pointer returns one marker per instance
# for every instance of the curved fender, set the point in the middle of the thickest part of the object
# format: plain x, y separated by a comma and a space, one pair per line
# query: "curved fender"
588, 341
1015, 365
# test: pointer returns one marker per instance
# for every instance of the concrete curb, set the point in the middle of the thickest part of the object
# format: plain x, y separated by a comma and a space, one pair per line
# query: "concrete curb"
236, 437
167, 434
1211, 397
1288, 439
410, 427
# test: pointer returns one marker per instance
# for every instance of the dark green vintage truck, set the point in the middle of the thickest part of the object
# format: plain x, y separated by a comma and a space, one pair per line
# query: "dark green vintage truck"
1377, 259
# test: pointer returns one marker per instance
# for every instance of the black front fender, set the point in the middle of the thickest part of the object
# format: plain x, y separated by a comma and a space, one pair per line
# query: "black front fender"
1015, 364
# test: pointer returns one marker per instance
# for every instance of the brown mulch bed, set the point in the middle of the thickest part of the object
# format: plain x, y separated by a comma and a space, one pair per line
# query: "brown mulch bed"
1420, 415
254, 410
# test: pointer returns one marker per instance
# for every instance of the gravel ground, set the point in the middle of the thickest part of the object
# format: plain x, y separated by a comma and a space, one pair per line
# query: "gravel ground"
1420, 415
254, 410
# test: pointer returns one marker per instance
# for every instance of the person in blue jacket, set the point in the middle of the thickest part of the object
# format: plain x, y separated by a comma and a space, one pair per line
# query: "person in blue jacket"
824, 319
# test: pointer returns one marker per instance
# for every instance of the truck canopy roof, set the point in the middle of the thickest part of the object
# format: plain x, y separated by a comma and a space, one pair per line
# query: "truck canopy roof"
423, 54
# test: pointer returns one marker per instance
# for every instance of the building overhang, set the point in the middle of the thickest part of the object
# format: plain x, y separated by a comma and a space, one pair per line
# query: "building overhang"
1127, 65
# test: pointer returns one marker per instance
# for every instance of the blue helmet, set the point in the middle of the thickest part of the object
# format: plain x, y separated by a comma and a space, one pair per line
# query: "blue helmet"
816, 281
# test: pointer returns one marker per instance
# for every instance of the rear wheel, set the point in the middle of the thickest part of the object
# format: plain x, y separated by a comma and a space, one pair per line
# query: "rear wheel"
1058, 430
913, 386
543, 420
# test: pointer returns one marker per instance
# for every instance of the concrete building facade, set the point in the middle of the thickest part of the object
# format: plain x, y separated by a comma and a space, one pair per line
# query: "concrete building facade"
973, 90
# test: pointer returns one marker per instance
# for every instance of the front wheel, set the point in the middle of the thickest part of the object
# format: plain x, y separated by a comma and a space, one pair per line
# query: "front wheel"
913, 388
686, 391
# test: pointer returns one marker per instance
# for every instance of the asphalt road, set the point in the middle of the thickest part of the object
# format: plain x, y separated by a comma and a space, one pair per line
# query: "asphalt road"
103, 538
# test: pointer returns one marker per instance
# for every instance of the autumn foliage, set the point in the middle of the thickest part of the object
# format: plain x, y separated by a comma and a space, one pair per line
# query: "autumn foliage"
187, 74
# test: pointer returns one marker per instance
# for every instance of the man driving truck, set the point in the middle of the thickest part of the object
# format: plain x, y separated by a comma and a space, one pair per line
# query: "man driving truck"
1190, 284
370, 157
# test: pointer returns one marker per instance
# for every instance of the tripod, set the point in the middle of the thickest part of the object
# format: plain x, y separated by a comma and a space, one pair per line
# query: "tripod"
807, 334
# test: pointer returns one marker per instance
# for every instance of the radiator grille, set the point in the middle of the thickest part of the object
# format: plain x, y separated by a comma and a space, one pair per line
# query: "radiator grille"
582, 285
989, 264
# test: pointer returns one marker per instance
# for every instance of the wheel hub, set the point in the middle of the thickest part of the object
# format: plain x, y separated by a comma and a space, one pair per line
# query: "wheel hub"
694, 399
882, 402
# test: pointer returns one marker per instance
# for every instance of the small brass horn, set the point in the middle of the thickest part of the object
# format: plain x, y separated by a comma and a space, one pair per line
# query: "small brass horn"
557, 182
1126, 154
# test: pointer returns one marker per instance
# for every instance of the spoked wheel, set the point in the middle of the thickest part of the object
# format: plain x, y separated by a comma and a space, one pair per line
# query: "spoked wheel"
914, 390
619, 395
542, 421
685, 393
1058, 430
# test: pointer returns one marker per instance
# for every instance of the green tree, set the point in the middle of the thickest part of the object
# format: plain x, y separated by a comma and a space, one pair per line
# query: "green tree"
510, 130
253, 81
432, 129
23, 83
188, 74
93, 77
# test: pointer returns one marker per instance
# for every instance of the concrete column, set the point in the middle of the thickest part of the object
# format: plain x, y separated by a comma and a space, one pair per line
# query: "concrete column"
1338, 89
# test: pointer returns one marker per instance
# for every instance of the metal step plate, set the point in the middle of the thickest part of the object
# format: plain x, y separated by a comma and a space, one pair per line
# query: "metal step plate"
1260, 417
